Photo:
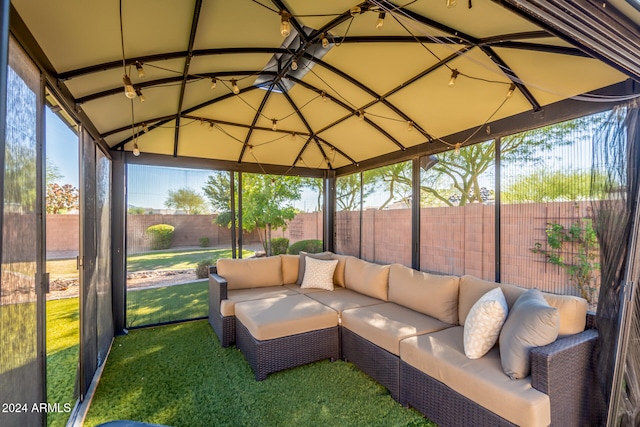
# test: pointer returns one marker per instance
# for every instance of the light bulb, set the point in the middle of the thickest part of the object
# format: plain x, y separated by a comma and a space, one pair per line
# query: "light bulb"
214, 83
325, 40
285, 25
355, 10
454, 76
140, 95
294, 65
140, 70
274, 127
210, 126
361, 115
380, 23
234, 86
512, 87
145, 127
293, 136
457, 149
410, 123
129, 91
452, 3
136, 150
323, 96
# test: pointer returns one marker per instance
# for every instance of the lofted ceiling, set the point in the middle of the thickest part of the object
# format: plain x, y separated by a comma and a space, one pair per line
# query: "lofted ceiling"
427, 73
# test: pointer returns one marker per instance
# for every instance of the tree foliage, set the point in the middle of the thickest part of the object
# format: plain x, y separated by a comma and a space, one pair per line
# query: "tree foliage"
267, 201
61, 198
348, 190
553, 186
186, 199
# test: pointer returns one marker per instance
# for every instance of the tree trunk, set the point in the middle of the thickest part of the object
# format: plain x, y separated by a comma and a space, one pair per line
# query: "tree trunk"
268, 238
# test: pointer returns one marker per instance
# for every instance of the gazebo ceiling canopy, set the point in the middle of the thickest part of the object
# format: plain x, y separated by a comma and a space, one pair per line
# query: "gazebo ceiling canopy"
321, 85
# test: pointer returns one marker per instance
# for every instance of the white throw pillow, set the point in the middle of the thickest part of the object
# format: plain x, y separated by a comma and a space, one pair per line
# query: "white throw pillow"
484, 322
319, 274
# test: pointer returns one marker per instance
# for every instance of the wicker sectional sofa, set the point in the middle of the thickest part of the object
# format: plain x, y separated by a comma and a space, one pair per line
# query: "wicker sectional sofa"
405, 329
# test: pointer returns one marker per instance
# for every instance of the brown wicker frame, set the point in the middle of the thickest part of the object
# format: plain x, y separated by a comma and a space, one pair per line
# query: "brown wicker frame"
373, 360
279, 354
224, 326
564, 370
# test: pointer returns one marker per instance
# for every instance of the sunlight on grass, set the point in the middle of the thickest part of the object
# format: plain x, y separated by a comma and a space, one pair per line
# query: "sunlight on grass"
167, 304
176, 259
189, 380
62, 268
63, 343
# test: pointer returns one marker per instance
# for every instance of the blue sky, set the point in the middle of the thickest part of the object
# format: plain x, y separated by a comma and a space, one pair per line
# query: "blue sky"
62, 148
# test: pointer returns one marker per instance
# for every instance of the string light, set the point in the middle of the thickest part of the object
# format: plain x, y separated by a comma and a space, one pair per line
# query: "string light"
456, 151
140, 70
452, 3
294, 65
140, 95
250, 149
274, 127
136, 150
410, 123
285, 24
360, 114
325, 40
129, 91
380, 23
214, 83
454, 76
355, 10
234, 86
293, 136
210, 126
512, 87
145, 127
323, 96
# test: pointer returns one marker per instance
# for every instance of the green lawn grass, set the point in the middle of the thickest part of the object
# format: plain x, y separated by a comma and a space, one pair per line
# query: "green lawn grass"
176, 259
63, 343
167, 304
178, 375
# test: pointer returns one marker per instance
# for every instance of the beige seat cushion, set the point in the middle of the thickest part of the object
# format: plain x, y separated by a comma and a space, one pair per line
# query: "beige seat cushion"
572, 309
227, 306
272, 318
367, 278
251, 272
299, 290
441, 356
426, 293
341, 299
289, 268
387, 323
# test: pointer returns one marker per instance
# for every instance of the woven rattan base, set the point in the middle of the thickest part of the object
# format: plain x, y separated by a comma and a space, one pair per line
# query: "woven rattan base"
278, 354
224, 327
441, 404
373, 360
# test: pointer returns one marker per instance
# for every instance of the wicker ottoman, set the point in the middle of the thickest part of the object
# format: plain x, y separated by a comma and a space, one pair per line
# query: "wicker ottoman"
283, 332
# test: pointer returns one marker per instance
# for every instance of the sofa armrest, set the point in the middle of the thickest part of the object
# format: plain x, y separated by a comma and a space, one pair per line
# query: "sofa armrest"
565, 370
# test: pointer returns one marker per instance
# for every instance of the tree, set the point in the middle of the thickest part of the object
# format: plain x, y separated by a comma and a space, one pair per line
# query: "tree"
187, 200
550, 186
348, 190
61, 198
267, 201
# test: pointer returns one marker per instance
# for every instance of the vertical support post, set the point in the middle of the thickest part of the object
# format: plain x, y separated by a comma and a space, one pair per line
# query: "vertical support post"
497, 206
119, 241
329, 211
41, 248
415, 213
232, 202
4, 58
361, 216
240, 233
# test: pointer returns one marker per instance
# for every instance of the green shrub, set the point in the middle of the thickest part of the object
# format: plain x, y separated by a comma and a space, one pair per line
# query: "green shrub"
161, 236
309, 246
279, 245
204, 242
202, 270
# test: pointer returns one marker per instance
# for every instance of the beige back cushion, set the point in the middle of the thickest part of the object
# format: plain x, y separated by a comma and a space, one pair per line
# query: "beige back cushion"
290, 268
251, 272
426, 293
338, 275
367, 278
573, 310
